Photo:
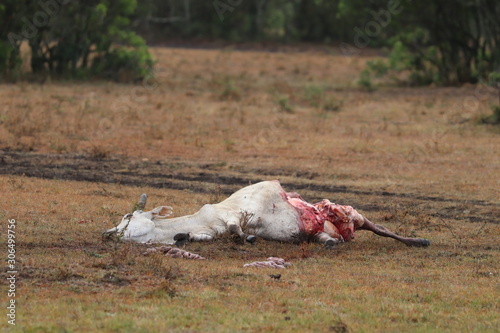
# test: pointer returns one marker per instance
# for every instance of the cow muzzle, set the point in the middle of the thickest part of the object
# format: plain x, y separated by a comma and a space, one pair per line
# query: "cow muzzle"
109, 234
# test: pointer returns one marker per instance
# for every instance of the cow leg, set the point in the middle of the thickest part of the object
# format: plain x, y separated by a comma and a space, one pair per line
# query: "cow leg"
236, 229
182, 238
326, 239
199, 237
384, 232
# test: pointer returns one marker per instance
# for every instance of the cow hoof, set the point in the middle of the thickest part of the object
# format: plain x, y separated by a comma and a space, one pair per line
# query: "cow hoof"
251, 239
331, 243
424, 242
419, 242
182, 236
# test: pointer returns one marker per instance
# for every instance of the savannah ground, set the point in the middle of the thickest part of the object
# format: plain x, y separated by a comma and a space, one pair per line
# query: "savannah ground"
76, 156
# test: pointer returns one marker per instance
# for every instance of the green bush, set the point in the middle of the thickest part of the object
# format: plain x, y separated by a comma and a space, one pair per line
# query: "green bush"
495, 117
75, 38
314, 95
492, 119
10, 60
365, 80
444, 42
494, 79
122, 64
378, 67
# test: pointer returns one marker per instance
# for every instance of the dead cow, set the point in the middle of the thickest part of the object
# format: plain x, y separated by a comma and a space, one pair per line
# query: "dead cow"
262, 210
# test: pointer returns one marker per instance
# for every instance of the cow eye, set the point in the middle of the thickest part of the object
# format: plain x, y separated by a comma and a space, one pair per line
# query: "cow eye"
129, 215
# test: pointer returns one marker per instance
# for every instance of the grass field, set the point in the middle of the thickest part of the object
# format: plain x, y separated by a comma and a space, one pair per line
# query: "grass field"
76, 156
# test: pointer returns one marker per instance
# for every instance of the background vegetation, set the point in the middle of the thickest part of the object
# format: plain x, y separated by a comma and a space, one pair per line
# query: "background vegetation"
443, 42
73, 38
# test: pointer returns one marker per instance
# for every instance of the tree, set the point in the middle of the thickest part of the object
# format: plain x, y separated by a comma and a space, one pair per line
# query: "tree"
443, 41
75, 38
10, 59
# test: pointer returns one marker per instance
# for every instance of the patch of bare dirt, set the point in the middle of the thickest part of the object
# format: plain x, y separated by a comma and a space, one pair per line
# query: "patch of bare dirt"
202, 177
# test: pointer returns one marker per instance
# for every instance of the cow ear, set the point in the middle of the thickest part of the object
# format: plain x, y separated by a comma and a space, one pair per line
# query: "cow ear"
162, 212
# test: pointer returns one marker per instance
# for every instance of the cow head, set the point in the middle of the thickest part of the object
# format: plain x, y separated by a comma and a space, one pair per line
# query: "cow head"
138, 224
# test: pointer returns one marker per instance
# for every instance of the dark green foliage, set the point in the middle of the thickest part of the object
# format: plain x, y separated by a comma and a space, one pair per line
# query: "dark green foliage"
495, 117
10, 61
439, 41
244, 20
444, 42
123, 64
365, 80
74, 38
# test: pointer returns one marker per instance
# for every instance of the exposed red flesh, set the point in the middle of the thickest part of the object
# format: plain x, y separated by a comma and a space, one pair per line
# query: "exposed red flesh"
336, 220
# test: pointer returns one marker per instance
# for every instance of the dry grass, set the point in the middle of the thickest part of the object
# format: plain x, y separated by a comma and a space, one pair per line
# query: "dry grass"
257, 111
230, 106
70, 280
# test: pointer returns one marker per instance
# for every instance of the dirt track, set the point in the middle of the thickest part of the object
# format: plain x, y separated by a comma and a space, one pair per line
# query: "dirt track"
210, 177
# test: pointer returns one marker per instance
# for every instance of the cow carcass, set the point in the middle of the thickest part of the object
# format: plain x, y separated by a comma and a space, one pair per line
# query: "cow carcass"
262, 210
